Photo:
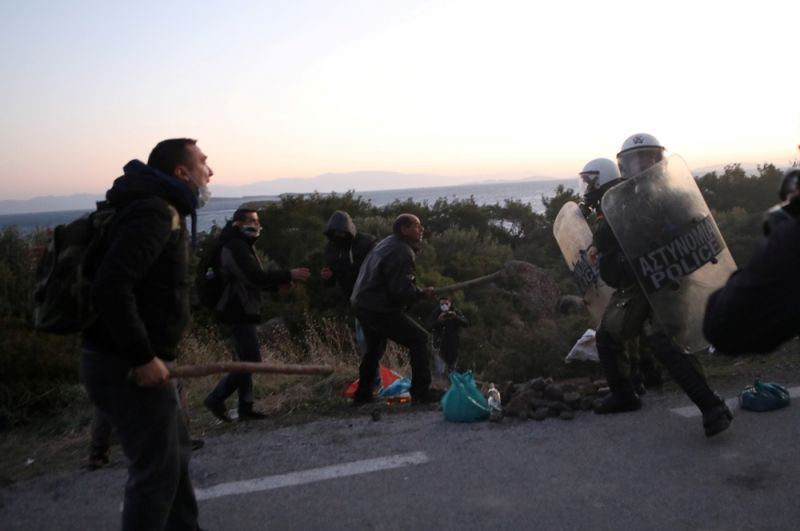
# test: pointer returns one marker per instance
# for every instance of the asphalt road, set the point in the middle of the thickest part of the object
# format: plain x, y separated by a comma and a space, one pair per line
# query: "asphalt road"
652, 469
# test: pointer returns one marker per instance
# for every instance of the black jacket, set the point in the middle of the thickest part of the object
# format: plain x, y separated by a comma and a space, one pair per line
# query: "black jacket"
345, 256
244, 278
759, 307
386, 282
140, 287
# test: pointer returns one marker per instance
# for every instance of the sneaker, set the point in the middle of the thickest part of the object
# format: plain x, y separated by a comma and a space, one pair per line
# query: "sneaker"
615, 404
217, 409
717, 419
246, 412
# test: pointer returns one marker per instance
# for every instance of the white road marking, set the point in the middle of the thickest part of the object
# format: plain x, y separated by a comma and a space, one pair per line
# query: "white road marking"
311, 475
733, 403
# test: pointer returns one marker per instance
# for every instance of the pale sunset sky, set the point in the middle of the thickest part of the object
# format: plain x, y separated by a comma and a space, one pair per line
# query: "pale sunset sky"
468, 90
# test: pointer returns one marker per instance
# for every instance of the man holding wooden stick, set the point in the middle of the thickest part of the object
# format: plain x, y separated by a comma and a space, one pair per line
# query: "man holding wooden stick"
142, 299
386, 284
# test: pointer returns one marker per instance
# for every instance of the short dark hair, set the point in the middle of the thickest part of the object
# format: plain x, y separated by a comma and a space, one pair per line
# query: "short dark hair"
169, 154
241, 213
402, 221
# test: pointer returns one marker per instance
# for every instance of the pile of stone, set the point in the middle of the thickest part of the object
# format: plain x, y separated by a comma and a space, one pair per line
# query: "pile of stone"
541, 398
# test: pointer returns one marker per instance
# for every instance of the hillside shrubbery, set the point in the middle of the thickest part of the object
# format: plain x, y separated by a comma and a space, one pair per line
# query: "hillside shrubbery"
514, 335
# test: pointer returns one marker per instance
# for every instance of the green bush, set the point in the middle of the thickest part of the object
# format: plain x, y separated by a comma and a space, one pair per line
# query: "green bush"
512, 336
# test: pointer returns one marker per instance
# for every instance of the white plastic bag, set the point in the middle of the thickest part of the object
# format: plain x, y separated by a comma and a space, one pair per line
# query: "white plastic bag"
585, 349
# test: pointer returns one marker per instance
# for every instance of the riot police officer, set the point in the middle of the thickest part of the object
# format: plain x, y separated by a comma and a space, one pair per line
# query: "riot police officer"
636, 361
629, 314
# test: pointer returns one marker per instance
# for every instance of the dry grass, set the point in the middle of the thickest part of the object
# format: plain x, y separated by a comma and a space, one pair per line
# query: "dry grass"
61, 442
287, 399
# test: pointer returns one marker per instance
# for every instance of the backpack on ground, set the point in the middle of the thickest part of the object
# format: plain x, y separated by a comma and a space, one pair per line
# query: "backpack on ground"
61, 291
208, 280
764, 396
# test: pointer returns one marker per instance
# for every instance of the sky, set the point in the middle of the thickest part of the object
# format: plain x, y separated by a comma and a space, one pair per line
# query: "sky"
466, 90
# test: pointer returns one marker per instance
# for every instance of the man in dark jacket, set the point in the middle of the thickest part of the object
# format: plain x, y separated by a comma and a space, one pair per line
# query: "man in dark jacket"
345, 251
141, 294
344, 254
446, 322
386, 284
759, 306
240, 307
789, 207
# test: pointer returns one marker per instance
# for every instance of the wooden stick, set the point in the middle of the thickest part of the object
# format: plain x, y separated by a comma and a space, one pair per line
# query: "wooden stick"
194, 371
468, 283
508, 268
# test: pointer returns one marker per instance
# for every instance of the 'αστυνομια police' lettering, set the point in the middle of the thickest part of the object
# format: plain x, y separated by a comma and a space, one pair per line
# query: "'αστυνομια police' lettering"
681, 256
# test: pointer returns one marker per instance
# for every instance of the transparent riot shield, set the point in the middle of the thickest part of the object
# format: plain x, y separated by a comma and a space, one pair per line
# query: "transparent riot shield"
574, 238
670, 238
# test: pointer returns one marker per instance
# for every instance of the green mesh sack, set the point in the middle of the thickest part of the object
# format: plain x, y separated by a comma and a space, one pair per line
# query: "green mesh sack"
464, 402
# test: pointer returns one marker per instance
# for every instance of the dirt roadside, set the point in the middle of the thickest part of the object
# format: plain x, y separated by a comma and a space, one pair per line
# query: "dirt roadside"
57, 444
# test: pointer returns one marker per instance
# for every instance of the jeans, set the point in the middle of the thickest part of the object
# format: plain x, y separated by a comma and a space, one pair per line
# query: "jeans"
245, 342
153, 435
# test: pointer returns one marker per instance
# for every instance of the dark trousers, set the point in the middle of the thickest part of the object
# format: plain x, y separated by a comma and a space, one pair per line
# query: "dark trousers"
397, 326
150, 426
100, 429
100, 434
245, 344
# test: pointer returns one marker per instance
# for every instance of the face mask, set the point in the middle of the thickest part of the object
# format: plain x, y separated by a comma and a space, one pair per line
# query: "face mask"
249, 230
444, 306
203, 195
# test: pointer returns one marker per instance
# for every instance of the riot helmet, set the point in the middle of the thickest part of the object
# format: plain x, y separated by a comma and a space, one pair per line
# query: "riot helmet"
639, 152
597, 176
791, 180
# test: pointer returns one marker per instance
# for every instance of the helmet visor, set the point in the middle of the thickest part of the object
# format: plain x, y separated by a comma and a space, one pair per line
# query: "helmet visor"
587, 181
632, 163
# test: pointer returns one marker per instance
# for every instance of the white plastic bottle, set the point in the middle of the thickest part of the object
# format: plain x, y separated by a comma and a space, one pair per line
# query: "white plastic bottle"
495, 407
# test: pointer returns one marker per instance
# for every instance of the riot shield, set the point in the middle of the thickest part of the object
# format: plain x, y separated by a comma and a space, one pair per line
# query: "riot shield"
668, 235
574, 238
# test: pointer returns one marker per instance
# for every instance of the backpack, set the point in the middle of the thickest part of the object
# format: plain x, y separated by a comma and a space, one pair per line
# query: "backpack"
764, 396
208, 280
62, 282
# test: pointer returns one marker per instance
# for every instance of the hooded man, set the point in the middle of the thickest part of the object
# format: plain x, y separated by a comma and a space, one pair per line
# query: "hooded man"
141, 293
344, 253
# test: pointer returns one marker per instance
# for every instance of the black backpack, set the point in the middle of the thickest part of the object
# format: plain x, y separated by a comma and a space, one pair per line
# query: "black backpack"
208, 280
61, 290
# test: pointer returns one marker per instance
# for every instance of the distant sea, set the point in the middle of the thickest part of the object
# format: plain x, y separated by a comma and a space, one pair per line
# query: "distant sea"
220, 210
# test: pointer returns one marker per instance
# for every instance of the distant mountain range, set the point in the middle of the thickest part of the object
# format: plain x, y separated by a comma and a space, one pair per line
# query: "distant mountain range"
49, 203
360, 181
333, 182
329, 182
